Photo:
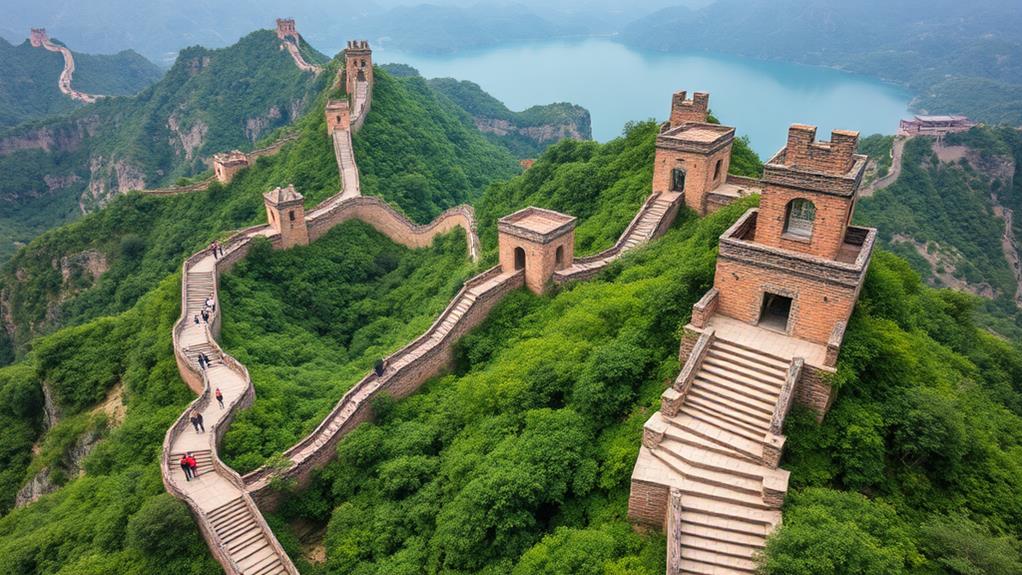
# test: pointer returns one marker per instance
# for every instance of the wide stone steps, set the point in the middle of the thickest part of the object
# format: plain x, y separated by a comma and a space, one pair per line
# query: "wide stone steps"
709, 528
744, 364
751, 354
687, 429
244, 540
729, 406
755, 518
203, 457
745, 395
740, 471
711, 484
706, 562
716, 409
711, 417
725, 370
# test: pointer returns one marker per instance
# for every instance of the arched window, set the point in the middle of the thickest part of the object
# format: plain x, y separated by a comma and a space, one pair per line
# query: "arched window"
519, 259
559, 255
799, 218
716, 170
678, 180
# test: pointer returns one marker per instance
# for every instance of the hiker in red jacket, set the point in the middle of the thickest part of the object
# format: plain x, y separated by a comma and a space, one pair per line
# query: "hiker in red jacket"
186, 467
193, 465
220, 397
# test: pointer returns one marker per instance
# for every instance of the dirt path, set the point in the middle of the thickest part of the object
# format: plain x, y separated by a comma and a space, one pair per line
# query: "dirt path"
892, 176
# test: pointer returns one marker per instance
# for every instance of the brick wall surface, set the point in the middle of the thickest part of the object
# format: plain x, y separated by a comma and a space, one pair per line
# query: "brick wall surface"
699, 173
832, 216
540, 259
816, 305
647, 503
814, 390
694, 110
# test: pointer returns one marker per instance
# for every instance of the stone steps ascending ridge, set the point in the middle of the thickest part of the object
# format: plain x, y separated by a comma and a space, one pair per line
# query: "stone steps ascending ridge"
243, 539
711, 455
643, 229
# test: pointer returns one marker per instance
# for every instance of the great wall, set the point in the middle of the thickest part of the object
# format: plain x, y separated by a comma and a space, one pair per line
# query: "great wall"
40, 39
766, 335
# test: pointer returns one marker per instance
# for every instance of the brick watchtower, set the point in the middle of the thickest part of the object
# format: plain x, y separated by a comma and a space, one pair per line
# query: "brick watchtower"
286, 27
795, 265
338, 116
226, 165
285, 212
695, 110
538, 241
358, 64
693, 157
37, 37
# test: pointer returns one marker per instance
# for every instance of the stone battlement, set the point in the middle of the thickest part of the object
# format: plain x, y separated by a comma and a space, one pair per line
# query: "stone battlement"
699, 138
695, 110
358, 46
804, 153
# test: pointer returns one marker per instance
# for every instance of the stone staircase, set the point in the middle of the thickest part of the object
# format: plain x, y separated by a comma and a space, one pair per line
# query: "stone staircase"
242, 537
203, 457
711, 445
350, 186
291, 44
654, 217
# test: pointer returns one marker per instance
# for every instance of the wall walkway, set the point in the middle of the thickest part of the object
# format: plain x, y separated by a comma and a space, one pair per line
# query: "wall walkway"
67, 74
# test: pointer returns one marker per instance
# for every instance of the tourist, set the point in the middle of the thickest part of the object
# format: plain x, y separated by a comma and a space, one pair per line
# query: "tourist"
196, 319
220, 397
211, 303
221, 248
213, 249
204, 359
379, 367
186, 466
205, 315
197, 421
193, 465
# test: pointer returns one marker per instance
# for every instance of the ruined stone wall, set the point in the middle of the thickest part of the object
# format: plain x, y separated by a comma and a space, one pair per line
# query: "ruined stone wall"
815, 390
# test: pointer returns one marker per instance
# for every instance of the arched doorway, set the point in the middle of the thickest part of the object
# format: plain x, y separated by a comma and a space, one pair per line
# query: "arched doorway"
361, 76
559, 256
519, 259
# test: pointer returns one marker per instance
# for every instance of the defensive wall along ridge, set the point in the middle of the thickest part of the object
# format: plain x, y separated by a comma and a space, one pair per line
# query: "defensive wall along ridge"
535, 245
291, 41
40, 39
766, 335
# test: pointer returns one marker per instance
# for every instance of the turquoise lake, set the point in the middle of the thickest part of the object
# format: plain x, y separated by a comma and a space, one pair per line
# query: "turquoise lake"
617, 84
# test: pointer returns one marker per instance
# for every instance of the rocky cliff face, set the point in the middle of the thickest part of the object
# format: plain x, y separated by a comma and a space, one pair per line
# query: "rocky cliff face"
543, 134
56, 137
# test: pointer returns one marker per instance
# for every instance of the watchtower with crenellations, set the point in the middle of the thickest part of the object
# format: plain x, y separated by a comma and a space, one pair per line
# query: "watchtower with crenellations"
358, 64
285, 212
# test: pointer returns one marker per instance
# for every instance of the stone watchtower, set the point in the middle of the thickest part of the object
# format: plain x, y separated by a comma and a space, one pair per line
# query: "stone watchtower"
358, 64
795, 265
692, 156
37, 37
538, 241
285, 212
226, 165
286, 27
338, 116
695, 110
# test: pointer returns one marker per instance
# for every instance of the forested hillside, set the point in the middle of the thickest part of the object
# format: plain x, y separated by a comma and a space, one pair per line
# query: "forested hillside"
958, 57
210, 101
946, 212
30, 92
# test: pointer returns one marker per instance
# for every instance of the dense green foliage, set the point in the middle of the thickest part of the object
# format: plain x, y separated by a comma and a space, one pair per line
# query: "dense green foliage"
944, 212
29, 90
526, 133
309, 322
959, 57
415, 151
928, 424
519, 462
412, 151
601, 184
210, 101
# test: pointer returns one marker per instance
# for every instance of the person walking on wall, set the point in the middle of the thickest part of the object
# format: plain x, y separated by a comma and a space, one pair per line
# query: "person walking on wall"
186, 467
194, 466
379, 367
219, 397
204, 360
196, 420
205, 315
211, 303
213, 249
